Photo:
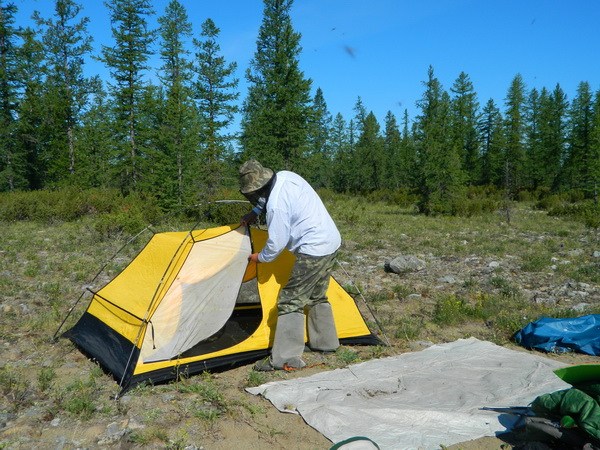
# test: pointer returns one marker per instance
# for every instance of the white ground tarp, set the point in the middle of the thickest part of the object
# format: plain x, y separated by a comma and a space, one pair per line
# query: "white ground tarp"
419, 400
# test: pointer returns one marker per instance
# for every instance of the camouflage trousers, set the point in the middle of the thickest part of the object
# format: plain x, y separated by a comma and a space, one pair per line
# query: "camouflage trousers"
308, 283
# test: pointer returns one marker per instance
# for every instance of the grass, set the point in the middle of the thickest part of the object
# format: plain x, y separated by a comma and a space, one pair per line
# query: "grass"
255, 378
44, 267
46, 378
80, 397
347, 355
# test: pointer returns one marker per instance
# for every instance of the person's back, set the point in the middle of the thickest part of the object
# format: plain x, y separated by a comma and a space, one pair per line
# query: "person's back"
294, 209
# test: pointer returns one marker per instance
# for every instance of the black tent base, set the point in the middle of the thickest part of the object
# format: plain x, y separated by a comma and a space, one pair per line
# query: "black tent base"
220, 364
117, 356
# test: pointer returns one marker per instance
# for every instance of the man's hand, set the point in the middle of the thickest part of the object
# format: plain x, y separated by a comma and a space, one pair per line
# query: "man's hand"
253, 258
249, 218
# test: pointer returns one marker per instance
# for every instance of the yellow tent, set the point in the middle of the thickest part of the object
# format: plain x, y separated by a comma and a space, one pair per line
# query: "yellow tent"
190, 302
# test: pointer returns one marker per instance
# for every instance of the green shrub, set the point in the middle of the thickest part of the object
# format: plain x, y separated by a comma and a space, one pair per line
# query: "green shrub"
13, 386
590, 216
70, 204
476, 201
225, 213
380, 296
576, 195
534, 262
347, 355
449, 310
586, 212
409, 328
549, 202
46, 378
504, 286
327, 195
255, 378
79, 399
397, 197
113, 224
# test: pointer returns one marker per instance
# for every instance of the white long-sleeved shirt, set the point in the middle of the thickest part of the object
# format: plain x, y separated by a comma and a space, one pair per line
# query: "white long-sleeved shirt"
297, 220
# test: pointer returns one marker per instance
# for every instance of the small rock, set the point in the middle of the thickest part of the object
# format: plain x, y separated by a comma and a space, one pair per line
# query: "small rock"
447, 279
61, 442
167, 398
580, 307
404, 263
125, 399
542, 300
113, 434
419, 345
596, 254
494, 265
55, 422
135, 424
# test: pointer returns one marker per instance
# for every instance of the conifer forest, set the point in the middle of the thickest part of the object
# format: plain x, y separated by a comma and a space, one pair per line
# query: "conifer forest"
171, 139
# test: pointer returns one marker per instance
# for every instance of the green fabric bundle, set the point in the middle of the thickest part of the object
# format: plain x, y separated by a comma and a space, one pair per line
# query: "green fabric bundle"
577, 406
574, 407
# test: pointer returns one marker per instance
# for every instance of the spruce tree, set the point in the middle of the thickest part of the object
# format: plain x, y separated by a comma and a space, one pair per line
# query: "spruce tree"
278, 106
32, 128
318, 168
96, 131
340, 148
178, 120
408, 158
491, 136
392, 151
464, 126
594, 159
369, 160
67, 43
532, 171
216, 94
127, 62
356, 128
579, 163
552, 137
12, 161
514, 156
360, 116
441, 178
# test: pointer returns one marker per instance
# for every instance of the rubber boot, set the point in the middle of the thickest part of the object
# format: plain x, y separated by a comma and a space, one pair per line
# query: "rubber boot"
322, 335
289, 342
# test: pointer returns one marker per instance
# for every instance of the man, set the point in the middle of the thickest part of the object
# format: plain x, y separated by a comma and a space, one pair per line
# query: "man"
296, 220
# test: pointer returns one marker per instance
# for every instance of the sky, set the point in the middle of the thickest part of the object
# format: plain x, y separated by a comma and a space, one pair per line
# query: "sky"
380, 50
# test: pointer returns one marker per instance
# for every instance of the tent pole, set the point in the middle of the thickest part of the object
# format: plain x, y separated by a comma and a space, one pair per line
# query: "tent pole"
55, 337
387, 341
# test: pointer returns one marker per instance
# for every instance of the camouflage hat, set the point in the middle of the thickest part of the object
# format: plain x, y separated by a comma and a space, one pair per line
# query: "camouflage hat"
253, 176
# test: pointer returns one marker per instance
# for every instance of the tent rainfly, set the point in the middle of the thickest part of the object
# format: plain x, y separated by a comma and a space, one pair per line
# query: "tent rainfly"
190, 302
